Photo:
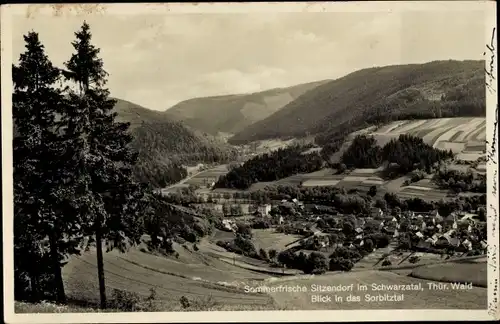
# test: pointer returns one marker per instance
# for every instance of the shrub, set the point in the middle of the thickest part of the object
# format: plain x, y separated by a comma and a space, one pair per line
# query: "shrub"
203, 303
152, 295
185, 302
124, 300
263, 254
414, 259
274, 264
261, 224
244, 244
340, 264
315, 263
345, 253
369, 245
195, 247
386, 263
380, 240
273, 254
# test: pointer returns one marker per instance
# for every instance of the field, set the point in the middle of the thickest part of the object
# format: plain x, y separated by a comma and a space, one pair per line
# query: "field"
269, 239
476, 298
464, 136
138, 272
423, 189
461, 135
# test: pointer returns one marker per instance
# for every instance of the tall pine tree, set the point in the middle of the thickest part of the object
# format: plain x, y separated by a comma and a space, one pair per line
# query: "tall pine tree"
108, 195
46, 229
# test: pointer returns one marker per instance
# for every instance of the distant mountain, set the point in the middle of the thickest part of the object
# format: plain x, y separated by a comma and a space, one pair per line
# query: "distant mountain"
374, 95
165, 145
232, 113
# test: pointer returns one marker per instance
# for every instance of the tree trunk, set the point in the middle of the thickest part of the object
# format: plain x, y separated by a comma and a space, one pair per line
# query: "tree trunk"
100, 264
59, 285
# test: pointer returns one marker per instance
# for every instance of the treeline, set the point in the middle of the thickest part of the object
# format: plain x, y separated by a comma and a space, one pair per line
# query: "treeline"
407, 152
463, 100
165, 147
73, 183
377, 95
460, 181
273, 166
165, 223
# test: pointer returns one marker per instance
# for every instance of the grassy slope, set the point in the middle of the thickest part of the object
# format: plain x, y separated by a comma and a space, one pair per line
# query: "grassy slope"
350, 97
232, 113
138, 272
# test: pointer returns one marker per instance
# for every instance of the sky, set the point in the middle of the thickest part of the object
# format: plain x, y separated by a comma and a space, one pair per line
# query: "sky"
159, 60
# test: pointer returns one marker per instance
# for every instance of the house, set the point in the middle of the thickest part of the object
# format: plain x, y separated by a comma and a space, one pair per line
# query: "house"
467, 245
264, 210
229, 224
376, 212
483, 244
419, 235
358, 230
468, 218
280, 220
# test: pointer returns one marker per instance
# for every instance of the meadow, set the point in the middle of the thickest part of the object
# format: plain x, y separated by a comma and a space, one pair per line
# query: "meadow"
206, 177
268, 239
465, 136
138, 272
461, 135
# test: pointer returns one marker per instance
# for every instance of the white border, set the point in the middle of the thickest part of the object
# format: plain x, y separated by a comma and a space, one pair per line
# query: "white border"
255, 316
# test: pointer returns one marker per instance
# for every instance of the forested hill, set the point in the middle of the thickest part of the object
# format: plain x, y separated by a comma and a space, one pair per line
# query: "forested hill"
165, 145
380, 94
232, 113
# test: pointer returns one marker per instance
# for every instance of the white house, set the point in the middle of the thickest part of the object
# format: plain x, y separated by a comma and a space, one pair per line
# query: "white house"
229, 224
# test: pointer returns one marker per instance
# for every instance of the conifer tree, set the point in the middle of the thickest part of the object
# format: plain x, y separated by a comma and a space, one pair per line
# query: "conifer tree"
45, 228
109, 196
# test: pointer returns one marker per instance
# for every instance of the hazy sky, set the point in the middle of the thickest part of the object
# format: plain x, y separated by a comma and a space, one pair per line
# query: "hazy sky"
159, 60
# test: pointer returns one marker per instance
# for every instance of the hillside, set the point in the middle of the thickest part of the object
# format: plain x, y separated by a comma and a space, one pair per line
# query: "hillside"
232, 113
375, 95
165, 145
